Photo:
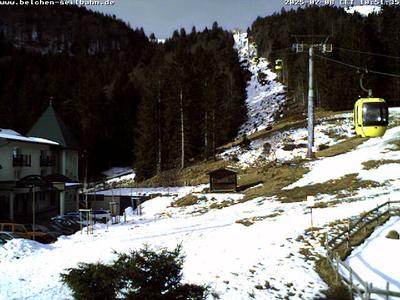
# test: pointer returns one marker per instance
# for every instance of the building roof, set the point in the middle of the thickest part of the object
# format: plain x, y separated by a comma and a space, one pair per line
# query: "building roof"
223, 170
12, 135
50, 126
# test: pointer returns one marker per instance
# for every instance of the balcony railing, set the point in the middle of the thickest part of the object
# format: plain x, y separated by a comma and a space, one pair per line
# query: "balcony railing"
47, 161
22, 160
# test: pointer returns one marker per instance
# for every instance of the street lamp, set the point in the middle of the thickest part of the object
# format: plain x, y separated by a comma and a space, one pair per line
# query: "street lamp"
31, 182
32, 190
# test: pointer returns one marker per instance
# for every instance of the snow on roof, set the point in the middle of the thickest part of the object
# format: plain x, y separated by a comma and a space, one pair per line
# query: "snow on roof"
15, 136
363, 10
117, 171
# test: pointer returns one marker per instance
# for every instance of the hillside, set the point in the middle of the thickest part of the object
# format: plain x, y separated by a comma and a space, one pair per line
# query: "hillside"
128, 99
360, 42
261, 248
265, 94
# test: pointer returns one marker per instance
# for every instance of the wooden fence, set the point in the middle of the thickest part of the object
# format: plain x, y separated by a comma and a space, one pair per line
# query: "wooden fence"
354, 281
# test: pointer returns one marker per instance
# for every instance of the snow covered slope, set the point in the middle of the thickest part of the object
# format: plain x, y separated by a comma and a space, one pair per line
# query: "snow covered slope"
265, 95
286, 145
249, 250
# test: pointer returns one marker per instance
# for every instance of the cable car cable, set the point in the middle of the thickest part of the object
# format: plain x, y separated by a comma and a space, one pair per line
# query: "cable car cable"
280, 50
368, 53
357, 67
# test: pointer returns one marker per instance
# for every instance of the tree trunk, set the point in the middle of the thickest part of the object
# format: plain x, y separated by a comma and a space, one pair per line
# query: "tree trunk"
182, 134
159, 132
213, 133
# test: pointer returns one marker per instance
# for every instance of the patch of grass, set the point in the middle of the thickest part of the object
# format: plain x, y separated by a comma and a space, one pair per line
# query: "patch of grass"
374, 164
290, 122
223, 204
357, 239
327, 203
192, 175
395, 144
337, 290
349, 183
186, 201
393, 234
245, 222
342, 147
275, 178
308, 255
252, 220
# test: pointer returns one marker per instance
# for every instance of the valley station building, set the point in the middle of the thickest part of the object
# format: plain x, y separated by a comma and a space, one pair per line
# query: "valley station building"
44, 162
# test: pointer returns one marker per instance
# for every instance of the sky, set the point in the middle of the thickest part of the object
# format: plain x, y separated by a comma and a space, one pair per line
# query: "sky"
162, 17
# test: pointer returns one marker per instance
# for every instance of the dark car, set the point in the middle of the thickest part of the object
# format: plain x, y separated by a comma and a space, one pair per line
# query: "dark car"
66, 223
53, 226
8, 236
43, 232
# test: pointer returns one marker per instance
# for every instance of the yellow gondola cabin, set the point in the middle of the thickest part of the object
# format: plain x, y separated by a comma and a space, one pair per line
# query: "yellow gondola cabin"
371, 117
278, 64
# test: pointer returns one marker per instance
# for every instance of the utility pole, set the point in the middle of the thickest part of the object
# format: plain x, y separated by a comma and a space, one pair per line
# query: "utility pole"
310, 102
299, 47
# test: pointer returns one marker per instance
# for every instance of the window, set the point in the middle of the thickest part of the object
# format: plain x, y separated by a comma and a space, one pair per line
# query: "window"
20, 160
16, 152
7, 228
19, 228
375, 114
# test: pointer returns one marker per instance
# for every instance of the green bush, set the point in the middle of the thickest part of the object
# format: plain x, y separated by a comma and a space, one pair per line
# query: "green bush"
393, 234
92, 281
142, 274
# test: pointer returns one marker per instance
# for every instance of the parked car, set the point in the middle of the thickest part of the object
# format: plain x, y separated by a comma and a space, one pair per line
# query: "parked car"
7, 236
100, 215
65, 223
22, 231
55, 227
76, 219
16, 228
41, 230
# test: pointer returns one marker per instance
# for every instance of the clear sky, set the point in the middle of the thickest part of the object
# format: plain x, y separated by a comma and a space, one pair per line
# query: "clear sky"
164, 16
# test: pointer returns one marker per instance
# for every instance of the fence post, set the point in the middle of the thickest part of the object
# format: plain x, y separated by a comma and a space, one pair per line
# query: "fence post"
387, 290
351, 283
337, 267
366, 292
348, 232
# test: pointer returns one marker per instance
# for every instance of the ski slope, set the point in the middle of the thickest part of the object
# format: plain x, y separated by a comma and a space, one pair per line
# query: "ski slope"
265, 95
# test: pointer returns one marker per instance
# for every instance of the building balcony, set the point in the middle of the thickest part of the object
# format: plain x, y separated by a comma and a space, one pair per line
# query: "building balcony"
47, 161
23, 160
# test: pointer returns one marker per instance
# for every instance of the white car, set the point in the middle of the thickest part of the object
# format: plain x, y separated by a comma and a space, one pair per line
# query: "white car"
100, 215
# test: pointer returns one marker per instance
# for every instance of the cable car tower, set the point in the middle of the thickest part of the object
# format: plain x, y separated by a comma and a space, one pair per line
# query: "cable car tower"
312, 43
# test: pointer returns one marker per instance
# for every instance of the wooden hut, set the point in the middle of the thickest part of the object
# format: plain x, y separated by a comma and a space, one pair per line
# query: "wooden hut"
223, 180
